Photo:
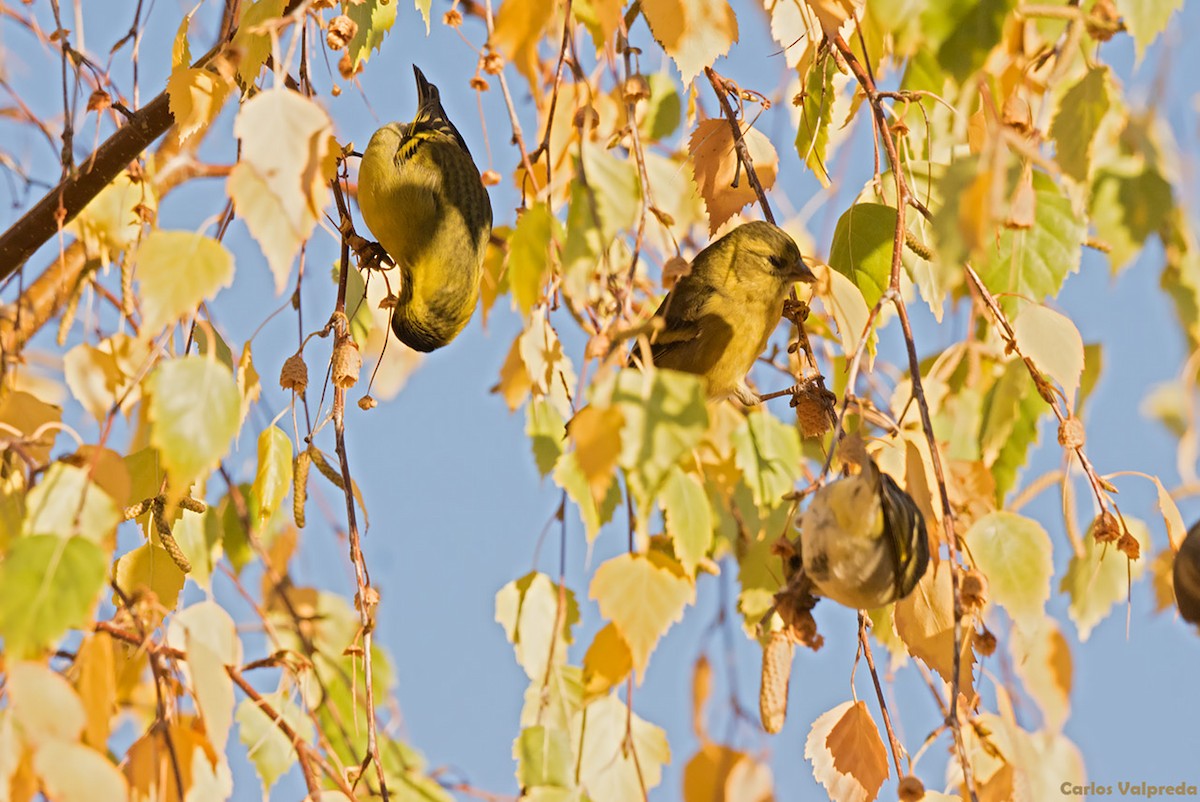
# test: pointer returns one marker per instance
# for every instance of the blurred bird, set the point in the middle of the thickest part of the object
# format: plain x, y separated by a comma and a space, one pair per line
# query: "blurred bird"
421, 195
863, 540
1187, 576
718, 318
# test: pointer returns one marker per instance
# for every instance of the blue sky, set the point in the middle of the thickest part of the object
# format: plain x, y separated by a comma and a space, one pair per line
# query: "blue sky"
457, 506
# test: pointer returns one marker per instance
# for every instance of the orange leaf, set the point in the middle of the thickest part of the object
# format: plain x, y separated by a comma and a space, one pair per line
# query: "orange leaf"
847, 753
716, 168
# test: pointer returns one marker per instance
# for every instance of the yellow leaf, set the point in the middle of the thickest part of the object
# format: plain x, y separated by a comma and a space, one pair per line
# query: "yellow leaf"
278, 187
1053, 343
72, 772
833, 13
196, 97
528, 609
96, 682
44, 705
795, 28
1042, 659
177, 271
112, 222
1014, 553
27, 414
168, 757
606, 663
207, 635
514, 384
150, 568
597, 436
925, 622
702, 678
717, 773
549, 368
695, 33
1100, 577
847, 753
608, 736
642, 594
519, 26
253, 41
715, 167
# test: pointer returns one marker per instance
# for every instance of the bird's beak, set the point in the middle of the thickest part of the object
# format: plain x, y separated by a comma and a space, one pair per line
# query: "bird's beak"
801, 272
424, 88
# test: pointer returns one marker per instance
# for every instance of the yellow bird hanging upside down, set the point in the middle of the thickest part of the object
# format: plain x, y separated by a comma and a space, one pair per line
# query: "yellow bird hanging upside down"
718, 318
421, 195
863, 540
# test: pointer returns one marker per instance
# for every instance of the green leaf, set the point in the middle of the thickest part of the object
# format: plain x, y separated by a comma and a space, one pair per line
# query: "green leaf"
661, 112
529, 255
269, 749
545, 429
1100, 577
1079, 114
613, 187
374, 19
194, 411
973, 29
1014, 553
149, 567
1034, 262
544, 758
689, 518
816, 115
66, 502
1146, 19
768, 452
50, 585
528, 608
1010, 425
571, 478
177, 271
665, 417
1127, 209
862, 248
274, 477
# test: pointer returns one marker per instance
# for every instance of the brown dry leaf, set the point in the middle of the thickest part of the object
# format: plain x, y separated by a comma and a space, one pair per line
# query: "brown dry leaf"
925, 622
715, 167
847, 753
695, 33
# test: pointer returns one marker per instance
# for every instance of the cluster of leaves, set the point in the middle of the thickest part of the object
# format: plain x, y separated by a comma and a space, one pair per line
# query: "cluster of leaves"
1010, 142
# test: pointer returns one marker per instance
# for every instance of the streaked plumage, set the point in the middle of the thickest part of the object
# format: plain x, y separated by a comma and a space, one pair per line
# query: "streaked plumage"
719, 317
863, 540
422, 197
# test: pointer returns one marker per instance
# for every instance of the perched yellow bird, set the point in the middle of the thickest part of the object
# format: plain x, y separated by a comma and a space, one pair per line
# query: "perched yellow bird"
718, 318
1186, 575
421, 195
863, 540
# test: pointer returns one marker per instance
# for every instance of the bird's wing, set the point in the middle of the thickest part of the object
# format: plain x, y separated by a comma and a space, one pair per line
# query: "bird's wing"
683, 314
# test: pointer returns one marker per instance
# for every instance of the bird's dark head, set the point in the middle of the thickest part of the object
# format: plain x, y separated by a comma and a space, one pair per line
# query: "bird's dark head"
778, 248
430, 114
